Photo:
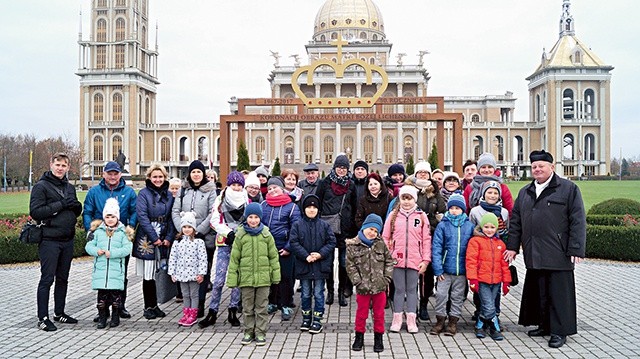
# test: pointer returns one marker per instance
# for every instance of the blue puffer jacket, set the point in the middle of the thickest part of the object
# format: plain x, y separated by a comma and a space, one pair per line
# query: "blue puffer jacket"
153, 210
279, 220
449, 247
109, 273
312, 235
97, 197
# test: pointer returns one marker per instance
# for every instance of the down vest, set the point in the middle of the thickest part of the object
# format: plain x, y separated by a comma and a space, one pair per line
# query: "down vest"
254, 260
109, 273
485, 262
449, 247
410, 239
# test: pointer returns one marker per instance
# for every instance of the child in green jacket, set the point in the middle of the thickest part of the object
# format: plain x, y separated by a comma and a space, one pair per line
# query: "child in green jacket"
253, 266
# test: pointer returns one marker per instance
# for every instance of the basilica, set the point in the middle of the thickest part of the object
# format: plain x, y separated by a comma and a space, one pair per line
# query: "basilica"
569, 103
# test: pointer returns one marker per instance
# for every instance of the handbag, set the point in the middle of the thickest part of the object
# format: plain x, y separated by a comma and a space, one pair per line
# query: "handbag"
166, 289
31, 233
334, 220
514, 275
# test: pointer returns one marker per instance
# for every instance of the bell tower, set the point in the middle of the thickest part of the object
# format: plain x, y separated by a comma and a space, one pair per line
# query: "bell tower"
118, 79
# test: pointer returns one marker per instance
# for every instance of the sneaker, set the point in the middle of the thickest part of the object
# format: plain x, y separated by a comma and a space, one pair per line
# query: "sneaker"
149, 314
63, 318
260, 341
179, 300
287, 313
124, 313
306, 324
316, 327
46, 325
272, 308
159, 313
247, 339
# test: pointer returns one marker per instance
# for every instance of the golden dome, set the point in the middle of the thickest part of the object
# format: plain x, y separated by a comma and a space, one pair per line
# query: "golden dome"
353, 19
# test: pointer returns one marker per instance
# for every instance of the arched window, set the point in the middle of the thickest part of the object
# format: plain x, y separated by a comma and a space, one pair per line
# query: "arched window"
308, 149
260, 149
328, 149
117, 106
368, 149
120, 29
408, 148
323, 38
567, 104
589, 104
374, 37
140, 109
102, 3
101, 57
478, 146
116, 146
363, 35
348, 147
387, 148
589, 147
144, 38
544, 105
518, 149
288, 150
203, 149
147, 110
372, 61
568, 147
101, 30
165, 149
185, 149
98, 148
98, 107
475, 118
334, 36
500, 145
538, 108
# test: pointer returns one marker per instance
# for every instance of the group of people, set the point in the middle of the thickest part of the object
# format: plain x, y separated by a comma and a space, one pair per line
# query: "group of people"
399, 239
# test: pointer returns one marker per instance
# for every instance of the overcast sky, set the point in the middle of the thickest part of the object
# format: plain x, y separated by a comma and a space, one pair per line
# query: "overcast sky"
212, 50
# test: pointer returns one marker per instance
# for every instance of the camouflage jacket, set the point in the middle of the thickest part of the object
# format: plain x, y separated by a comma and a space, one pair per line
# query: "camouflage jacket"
370, 269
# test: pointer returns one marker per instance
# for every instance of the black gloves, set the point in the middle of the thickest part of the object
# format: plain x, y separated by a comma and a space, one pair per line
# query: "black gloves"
230, 238
70, 202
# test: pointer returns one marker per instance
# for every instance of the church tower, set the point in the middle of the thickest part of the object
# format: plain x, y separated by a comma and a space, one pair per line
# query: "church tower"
118, 78
570, 97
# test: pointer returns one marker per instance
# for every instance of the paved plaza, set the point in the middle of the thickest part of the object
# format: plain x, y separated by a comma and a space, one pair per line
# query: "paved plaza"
608, 321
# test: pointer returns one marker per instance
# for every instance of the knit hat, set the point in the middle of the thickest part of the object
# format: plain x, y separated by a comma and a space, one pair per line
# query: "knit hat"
253, 208
491, 184
422, 166
111, 207
396, 168
252, 180
487, 159
235, 177
372, 220
311, 200
361, 163
341, 161
262, 171
188, 219
450, 175
196, 165
458, 201
541, 155
410, 190
489, 218
275, 180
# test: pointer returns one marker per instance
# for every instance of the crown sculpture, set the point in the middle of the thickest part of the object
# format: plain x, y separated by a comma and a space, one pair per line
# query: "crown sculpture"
339, 68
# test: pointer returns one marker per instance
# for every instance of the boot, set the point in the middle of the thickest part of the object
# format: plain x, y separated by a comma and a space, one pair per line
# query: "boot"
479, 329
358, 342
396, 323
102, 316
342, 301
494, 329
452, 328
209, 320
200, 308
306, 320
377, 342
232, 318
183, 320
329, 300
316, 326
439, 327
191, 317
115, 317
423, 314
97, 317
412, 327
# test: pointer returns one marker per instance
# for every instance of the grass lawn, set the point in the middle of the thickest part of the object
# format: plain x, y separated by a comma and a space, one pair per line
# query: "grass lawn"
592, 192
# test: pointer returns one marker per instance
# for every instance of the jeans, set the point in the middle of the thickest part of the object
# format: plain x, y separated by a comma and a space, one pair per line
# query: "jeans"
55, 264
317, 285
488, 294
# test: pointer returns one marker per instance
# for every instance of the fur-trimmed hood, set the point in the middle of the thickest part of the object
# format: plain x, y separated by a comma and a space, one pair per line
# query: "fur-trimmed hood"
130, 232
425, 187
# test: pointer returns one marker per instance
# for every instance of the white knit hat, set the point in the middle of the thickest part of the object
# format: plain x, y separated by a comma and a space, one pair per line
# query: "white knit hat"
252, 180
410, 190
111, 207
422, 166
188, 219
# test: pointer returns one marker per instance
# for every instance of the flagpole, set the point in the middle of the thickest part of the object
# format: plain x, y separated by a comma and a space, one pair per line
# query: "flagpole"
30, 168
4, 185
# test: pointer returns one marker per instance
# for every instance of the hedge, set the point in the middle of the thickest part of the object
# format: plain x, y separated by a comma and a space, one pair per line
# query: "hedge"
605, 219
621, 243
619, 206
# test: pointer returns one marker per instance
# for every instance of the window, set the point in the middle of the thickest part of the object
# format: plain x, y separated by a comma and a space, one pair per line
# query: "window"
260, 148
203, 149
589, 104
288, 150
101, 57
147, 110
327, 149
589, 170
121, 3
116, 146
98, 107
368, 149
538, 108
567, 104
334, 36
408, 148
388, 150
475, 118
363, 35
500, 145
144, 37
478, 146
334, 22
519, 149
119, 56
348, 147
568, 152
98, 148
165, 149
185, 148
101, 30
577, 57
308, 149
102, 3
117, 107
569, 171
120, 29
589, 147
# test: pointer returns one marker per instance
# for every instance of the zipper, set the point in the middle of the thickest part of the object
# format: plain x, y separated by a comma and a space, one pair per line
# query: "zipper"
406, 245
493, 257
106, 277
458, 254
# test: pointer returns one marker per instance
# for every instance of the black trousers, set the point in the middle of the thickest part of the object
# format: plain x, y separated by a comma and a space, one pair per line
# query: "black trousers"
281, 294
55, 264
202, 291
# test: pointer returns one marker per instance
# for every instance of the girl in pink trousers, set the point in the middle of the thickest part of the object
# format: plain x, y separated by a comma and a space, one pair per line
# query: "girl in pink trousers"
406, 233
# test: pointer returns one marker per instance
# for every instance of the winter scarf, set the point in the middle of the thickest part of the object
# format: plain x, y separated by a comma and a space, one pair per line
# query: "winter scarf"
446, 194
253, 231
458, 220
232, 206
340, 181
476, 185
493, 208
363, 239
279, 200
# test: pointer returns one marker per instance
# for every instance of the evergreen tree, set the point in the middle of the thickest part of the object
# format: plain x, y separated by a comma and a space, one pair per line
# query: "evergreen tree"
275, 171
410, 166
625, 168
243, 158
433, 157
